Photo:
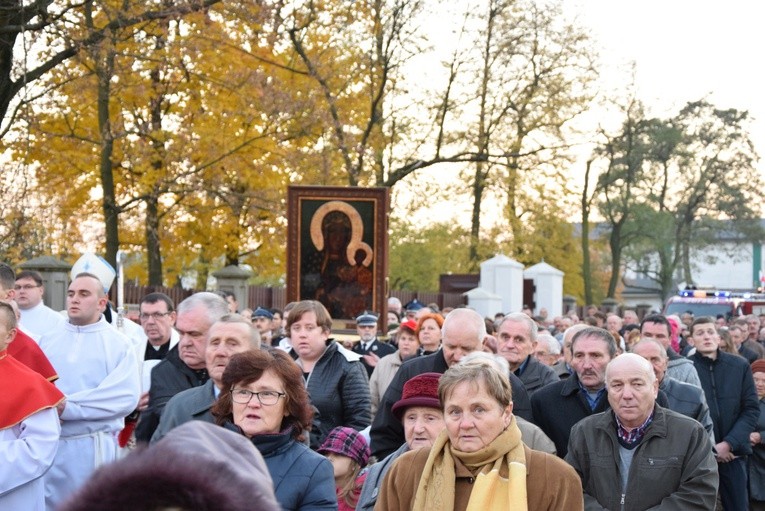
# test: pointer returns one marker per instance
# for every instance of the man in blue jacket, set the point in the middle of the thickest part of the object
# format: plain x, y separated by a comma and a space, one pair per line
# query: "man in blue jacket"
729, 388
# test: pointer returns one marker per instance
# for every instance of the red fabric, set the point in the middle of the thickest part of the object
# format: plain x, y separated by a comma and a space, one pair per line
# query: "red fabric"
25, 350
24, 391
127, 432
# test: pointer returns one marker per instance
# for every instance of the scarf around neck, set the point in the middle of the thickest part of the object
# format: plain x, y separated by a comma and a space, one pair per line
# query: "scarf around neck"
505, 454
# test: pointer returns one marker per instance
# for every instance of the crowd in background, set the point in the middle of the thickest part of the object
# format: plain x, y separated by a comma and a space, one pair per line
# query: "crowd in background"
444, 410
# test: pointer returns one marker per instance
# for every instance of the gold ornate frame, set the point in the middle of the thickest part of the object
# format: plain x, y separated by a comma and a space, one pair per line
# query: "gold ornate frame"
349, 278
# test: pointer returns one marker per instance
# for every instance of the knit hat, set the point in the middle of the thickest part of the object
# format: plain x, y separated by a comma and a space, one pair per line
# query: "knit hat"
422, 390
347, 442
758, 366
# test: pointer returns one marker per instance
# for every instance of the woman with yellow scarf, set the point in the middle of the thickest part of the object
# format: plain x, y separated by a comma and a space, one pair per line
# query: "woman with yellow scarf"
479, 463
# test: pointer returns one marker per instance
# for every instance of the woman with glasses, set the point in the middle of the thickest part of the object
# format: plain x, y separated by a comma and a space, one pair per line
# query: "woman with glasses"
264, 398
336, 381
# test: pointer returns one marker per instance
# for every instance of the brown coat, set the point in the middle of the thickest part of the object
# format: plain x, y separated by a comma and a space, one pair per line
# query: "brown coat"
551, 484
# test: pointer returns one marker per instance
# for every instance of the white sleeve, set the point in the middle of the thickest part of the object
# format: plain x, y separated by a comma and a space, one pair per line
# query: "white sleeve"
116, 396
28, 456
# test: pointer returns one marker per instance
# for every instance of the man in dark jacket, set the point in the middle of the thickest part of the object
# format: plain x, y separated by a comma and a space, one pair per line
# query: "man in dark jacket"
463, 332
558, 406
729, 388
516, 342
639, 455
184, 366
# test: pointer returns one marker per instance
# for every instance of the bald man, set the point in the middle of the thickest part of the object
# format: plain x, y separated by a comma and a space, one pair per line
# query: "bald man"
639, 455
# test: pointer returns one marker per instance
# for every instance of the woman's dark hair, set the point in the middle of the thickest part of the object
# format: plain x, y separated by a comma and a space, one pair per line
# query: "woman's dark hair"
247, 367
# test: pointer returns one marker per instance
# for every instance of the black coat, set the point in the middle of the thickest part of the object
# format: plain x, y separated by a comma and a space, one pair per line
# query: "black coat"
536, 375
168, 378
729, 387
558, 406
339, 390
387, 433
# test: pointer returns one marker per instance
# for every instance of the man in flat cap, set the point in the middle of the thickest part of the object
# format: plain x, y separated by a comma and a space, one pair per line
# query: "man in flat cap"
369, 347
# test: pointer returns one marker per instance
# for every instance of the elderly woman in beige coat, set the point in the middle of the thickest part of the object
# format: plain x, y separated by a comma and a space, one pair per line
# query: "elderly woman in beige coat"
479, 462
386, 368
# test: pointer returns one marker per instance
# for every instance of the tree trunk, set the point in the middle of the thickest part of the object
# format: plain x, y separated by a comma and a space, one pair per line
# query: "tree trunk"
586, 269
153, 247
615, 241
154, 256
104, 71
482, 144
475, 219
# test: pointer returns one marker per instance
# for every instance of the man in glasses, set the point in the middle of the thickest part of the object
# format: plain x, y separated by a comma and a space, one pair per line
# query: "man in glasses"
230, 335
37, 319
157, 315
184, 366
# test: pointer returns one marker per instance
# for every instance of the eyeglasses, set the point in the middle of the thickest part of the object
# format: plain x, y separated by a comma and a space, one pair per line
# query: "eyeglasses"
25, 287
154, 315
266, 397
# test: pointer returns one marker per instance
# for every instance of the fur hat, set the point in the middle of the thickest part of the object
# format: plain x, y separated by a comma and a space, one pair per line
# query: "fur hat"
758, 366
198, 466
347, 442
422, 390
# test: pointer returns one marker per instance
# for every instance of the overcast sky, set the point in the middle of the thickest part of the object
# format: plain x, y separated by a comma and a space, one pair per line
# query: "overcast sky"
684, 51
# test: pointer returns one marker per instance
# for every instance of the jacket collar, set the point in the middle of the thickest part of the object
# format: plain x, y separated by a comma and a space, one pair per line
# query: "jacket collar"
570, 385
607, 422
207, 397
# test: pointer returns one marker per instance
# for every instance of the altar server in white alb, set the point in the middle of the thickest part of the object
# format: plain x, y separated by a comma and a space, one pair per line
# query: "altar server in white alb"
99, 375
29, 426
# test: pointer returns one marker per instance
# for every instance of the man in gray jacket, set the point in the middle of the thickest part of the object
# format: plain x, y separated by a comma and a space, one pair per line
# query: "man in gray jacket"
639, 455
228, 336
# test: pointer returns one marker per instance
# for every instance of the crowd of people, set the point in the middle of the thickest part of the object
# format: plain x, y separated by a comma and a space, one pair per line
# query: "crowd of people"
204, 405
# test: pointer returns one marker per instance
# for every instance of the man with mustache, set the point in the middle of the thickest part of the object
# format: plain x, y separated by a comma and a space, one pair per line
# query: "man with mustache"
560, 405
